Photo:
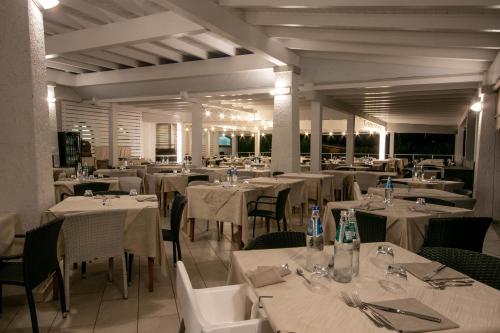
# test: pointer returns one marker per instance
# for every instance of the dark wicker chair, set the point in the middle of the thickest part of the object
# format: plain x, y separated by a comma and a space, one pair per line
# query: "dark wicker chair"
94, 187
39, 261
481, 267
465, 233
276, 240
166, 171
111, 193
277, 173
372, 228
434, 201
193, 178
277, 214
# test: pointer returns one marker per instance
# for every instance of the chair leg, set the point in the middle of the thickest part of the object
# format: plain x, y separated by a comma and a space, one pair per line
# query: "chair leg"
124, 275
254, 220
62, 296
31, 304
207, 225
179, 254
218, 230
284, 224
268, 227
174, 250
232, 231
66, 285
84, 269
129, 270
0, 298
278, 223
110, 269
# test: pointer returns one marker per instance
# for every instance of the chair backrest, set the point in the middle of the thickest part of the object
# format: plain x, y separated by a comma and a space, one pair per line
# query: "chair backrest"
189, 309
192, 178
178, 205
277, 240
40, 252
93, 235
277, 173
281, 203
372, 228
481, 267
150, 184
434, 201
458, 232
79, 189
167, 171
347, 184
111, 193
129, 183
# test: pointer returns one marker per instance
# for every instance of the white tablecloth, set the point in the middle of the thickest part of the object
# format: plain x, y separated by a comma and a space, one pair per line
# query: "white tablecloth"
405, 227
220, 173
10, 225
445, 185
298, 191
365, 179
294, 307
319, 186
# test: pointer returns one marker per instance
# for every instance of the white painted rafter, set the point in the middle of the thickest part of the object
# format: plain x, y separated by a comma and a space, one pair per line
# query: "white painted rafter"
216, 42
159, 51
112, 57
135, 54
357, 3
185, 47
91, 60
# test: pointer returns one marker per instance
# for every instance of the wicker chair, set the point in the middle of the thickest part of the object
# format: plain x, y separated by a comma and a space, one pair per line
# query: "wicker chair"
372, 228
434, 201
276, 240
130, 183
79, 189
94, 235
277, 214
197, 178
481, 267
277, 173
465, 233
39, 261
166, 171
111, 193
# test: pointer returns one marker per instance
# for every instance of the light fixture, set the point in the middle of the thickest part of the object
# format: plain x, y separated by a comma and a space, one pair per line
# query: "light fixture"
357, 133
51, 99
212, 128
46, 4
330, 134
343, 133
253, 135
205, 129
244, 128
187, 129
477, 104
263, 134
207, 113
306, 133
242, 134
280, 91
232, 135
221, 116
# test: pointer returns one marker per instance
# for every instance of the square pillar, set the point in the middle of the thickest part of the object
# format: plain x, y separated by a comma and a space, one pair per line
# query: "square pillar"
114, 150
349, 136
316, 135
234, 145
257, 143
391, 144
381, 144
196, 134
286, 132
25, 143
459, 145
179, 146
470, 137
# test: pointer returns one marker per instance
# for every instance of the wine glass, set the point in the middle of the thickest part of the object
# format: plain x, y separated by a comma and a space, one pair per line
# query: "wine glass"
88, 194
133, 192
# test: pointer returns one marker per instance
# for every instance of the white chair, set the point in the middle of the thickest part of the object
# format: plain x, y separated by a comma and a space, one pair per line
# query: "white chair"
214, 310
88, 236
129, 183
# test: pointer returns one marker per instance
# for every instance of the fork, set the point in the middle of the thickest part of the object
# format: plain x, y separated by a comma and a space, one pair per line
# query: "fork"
350, 303
359, 303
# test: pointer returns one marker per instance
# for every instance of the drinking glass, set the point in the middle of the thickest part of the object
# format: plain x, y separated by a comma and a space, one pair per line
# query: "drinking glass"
384, 257
88, 193
420, 201
395, 280
133, 192
100, 175
320, 278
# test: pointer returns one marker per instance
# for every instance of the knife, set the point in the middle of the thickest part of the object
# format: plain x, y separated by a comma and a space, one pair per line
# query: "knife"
432, 274
404, 312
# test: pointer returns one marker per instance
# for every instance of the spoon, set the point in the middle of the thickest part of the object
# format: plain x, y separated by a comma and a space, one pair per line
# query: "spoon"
300, 272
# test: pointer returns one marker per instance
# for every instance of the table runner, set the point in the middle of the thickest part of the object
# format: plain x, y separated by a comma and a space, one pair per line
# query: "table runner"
405, 228
67, 186
10, 225
445, 185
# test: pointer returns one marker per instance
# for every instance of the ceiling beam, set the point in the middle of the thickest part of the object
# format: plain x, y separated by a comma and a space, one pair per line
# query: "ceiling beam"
185, 47
135, 54
91, 60
357, 3
216, 66
391, 50
216, 42
65, 67
229, 25
423, 22
142, 29
112, 57
76, 64
159, 51
59, 77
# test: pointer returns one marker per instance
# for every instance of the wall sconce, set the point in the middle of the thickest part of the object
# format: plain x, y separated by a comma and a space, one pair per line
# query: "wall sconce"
280, 91
477, 104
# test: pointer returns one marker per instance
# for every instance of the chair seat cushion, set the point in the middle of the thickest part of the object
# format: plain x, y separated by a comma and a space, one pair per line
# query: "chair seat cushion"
262, 213
11, 273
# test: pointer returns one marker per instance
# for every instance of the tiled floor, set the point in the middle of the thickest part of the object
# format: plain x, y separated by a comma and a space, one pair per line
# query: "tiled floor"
98, 306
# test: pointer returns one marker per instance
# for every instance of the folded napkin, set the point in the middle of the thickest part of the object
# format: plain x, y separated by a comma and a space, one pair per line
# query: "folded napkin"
420, 270
405, 323
425, 209
267, 275
146, 198
370, 206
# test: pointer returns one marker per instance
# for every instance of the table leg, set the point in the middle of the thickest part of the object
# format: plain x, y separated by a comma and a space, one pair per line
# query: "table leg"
151, 273
239, 236
55, 288
191, 230
165, 196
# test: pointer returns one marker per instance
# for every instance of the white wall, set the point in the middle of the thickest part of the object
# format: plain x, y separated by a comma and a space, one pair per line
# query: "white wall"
148, 140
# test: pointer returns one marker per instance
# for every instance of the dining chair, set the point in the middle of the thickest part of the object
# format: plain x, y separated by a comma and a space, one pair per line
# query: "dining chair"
92, 235
79, 189
277, 214
479, 266
276, 240
465, 233
39, 261
130, 183
150, 184
277, 173
372, 227
434, 201
193, 178
166, 171
347, 187
215, 310
465, 192
111, 193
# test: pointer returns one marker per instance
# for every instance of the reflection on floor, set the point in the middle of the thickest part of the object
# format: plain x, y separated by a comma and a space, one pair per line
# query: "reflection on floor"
98, 306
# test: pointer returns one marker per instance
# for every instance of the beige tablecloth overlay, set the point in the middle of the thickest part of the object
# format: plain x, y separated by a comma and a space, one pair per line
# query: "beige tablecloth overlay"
116, 172
405, 228
157, 168
298, 191
10, 225
68, 186
462, 201
365, 179
227, 204
220, 173
319, 186
143, 235
445, 185
294, 307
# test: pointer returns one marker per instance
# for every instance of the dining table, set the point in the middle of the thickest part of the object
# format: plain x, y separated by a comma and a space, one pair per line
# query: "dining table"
116, 172
319, 186
142, 232
67, 186
295, 306
445, 185
223, 202
221, 172
171, 183
10, 227
157, 168
407, 222
365, 179
458, 200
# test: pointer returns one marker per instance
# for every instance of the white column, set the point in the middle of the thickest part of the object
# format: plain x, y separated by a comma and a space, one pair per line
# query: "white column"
26, 167
487, 166
316, 135
257, 143
381, 144
286, 132
234, 144
215, 139
391, 144
470, 136
51, 99
179, 146
209, 143
349, 136
196, 133
459, 145
114, 150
